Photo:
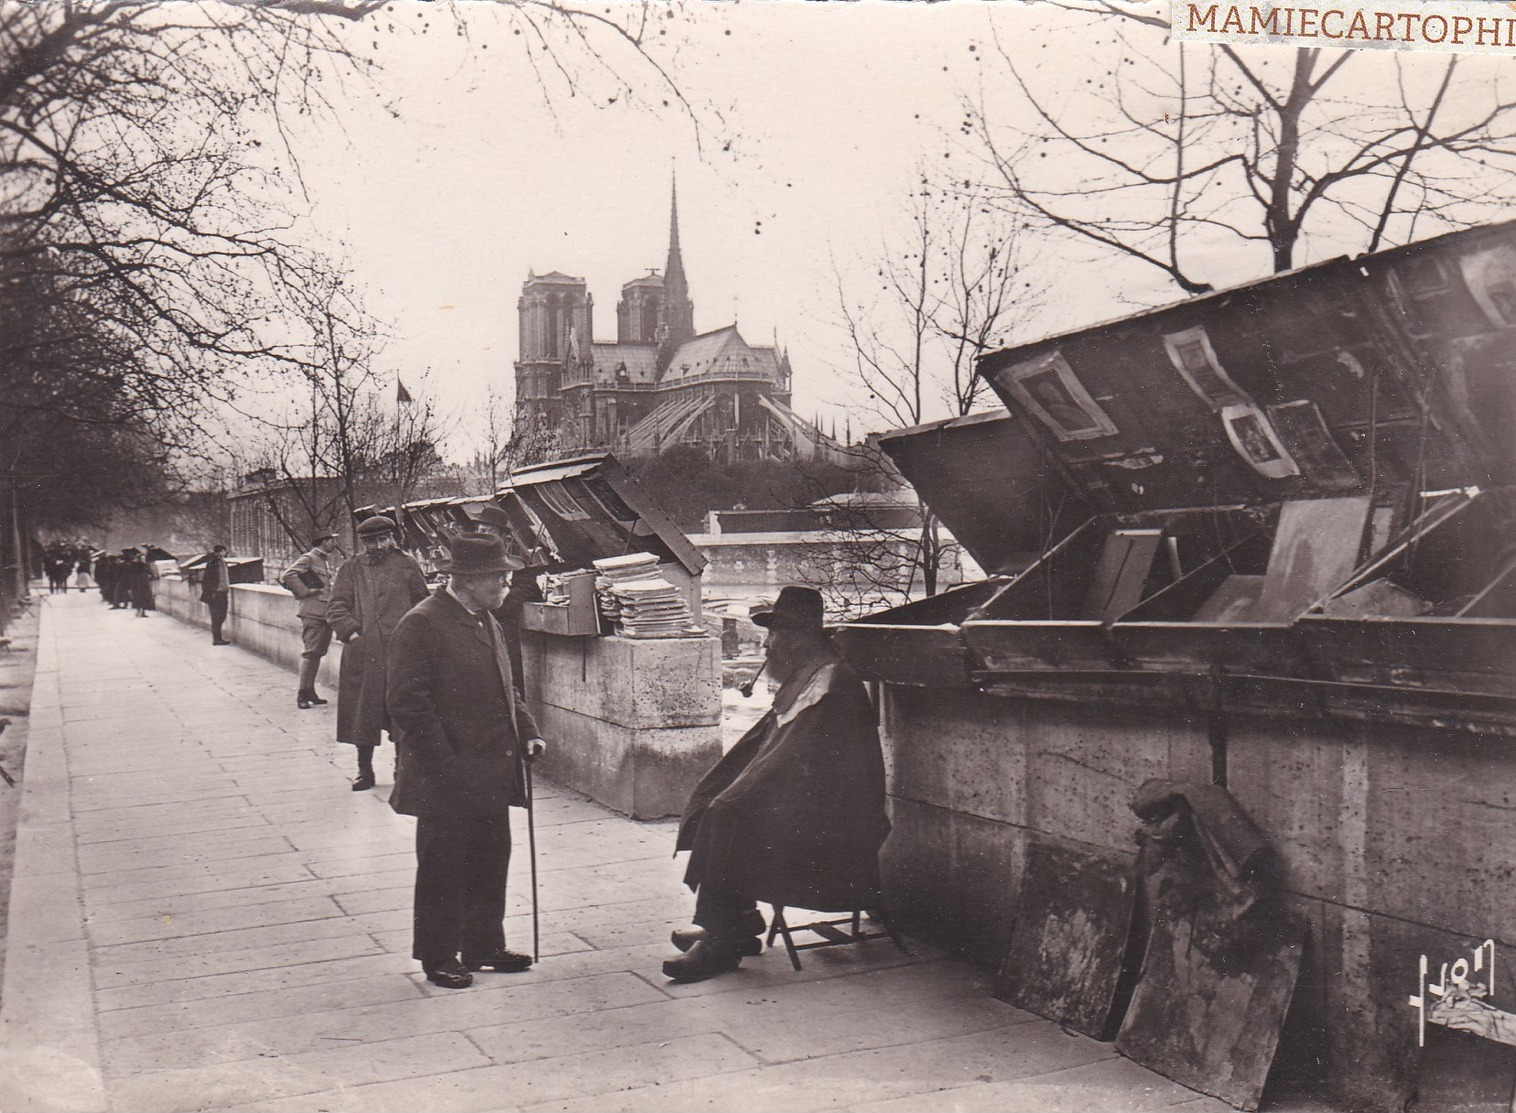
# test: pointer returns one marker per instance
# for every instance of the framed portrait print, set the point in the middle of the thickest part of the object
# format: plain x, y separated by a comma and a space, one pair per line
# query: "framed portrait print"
1048, 388
1491, 279
1193, 357
1257, 443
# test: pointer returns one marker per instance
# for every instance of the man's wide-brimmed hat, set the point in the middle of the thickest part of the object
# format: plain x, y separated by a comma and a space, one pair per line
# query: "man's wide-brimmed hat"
323, 535
377, 524
797, 608
472, 554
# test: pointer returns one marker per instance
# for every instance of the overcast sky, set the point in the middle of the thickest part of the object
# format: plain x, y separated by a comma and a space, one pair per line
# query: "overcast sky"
451, 177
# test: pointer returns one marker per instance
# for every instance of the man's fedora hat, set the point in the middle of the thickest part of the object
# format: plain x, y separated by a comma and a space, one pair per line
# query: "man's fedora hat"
323, 535
473, 554
797, 608
377, 524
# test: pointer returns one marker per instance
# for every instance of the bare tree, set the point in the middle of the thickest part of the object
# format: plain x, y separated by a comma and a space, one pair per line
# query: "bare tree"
1175, 155
950, 287
148, 195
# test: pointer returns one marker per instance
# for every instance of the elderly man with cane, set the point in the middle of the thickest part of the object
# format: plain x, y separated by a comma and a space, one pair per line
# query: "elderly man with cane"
464, 739
794, 814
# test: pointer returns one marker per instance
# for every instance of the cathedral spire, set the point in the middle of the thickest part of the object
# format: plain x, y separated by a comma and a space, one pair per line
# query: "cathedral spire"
678, 312
674, 271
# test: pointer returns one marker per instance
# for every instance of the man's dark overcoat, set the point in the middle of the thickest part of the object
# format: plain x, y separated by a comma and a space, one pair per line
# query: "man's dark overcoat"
371, 593
794, 813
458, 723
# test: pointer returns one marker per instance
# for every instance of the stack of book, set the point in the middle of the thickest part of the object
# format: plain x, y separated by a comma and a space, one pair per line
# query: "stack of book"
639, 602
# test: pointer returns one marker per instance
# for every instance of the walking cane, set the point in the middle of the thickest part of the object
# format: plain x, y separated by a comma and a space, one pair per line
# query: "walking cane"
531, 841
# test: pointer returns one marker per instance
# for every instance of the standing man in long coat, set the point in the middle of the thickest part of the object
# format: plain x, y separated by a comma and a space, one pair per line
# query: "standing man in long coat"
794, 814
309, 579
463, 735
370, 595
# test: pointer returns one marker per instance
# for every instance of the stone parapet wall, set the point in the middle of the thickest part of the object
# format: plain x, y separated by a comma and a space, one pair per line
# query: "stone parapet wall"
1391, 837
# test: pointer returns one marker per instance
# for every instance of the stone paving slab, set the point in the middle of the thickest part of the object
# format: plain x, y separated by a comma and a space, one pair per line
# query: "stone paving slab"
205, 917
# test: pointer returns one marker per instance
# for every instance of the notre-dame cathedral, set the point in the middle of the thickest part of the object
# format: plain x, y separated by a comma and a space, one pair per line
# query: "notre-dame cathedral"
661, 383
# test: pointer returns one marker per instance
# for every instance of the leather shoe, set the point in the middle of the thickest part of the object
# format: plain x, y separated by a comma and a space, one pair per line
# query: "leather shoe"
303, 702
685, 938
317, 700
706, 959
221, 643
501, 962
363, 781
449, 974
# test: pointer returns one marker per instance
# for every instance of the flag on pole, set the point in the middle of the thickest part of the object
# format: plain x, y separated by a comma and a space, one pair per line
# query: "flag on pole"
402, 396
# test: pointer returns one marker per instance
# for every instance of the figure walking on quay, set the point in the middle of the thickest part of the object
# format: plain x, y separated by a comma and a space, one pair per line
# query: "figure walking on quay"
136, 581
794, 814
216, 592
371, 593
463, 737
309, 579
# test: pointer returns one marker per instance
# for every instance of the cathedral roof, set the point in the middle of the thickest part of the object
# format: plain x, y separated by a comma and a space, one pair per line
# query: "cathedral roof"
722, 352
552, 276
646, 280
640, 361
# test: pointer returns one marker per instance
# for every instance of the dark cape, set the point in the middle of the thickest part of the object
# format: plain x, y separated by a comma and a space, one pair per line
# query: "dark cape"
794, 814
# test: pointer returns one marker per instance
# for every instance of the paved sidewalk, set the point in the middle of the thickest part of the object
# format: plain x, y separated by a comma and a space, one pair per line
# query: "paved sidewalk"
205, 917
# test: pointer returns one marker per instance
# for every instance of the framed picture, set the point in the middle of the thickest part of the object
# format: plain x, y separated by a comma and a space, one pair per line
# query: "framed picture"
1307, 440
1257, 443
1193, 357
1491, 279
1048, 388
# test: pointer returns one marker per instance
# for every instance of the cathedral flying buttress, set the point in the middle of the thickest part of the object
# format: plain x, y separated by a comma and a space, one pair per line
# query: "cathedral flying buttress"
659, 384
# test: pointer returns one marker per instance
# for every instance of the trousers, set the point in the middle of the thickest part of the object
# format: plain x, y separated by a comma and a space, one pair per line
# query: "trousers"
724, 914
219, 603
461, 865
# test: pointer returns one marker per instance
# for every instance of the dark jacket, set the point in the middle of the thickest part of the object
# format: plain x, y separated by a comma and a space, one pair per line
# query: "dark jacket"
370, 595
458, 725
215, 579
137, 579
794, 814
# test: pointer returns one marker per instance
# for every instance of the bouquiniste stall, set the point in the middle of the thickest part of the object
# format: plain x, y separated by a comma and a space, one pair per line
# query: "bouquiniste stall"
1262, 541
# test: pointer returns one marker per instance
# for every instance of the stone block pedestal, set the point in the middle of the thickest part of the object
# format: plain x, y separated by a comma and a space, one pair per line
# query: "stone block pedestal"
634, 724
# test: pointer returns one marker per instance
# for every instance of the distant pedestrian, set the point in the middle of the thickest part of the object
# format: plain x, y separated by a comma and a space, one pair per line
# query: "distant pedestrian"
136, 581
371, 593
82, 578
106, 568
309, 579
216, 592
57, 573
463, 736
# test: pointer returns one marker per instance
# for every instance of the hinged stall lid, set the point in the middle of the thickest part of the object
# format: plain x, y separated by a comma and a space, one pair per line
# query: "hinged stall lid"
1344, 377
981, 476
569, 513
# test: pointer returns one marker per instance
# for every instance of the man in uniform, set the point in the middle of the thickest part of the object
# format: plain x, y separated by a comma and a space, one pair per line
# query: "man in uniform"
794, 814
370, 595
463, 736
309, 579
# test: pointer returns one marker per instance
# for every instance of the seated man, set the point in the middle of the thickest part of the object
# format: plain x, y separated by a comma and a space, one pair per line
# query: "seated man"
794, 814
